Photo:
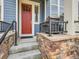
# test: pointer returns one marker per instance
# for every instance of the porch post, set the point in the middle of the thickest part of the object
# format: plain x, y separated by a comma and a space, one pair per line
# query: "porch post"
71, 14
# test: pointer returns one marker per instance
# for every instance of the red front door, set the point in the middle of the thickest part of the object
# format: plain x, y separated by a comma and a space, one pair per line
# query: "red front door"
26, 19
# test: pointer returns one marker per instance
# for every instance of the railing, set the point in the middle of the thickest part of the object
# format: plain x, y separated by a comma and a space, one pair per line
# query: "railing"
53, 27
6, 28
76, 21
3, 26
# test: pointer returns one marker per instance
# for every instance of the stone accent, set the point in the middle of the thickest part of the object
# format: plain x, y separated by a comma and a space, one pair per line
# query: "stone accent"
58, 46
6, 44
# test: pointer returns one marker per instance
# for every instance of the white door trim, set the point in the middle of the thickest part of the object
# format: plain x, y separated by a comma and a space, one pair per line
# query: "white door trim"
21, 24
33, 17
20, 20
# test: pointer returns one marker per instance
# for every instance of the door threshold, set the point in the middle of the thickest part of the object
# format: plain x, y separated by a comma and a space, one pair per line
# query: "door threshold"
26, 37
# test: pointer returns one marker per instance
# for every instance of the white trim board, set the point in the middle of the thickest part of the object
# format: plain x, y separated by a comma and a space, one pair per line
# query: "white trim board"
17, 14
20, 28
45, 10
2, 10
27, 2
38, 15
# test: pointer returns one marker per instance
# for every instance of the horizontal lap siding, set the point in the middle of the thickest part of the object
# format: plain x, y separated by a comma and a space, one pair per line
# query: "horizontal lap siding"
42, 9
42, 14
9, 10
37, 28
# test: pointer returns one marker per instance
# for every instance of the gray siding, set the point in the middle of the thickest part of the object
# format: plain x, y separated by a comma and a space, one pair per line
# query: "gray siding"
42, 11
37, 28
9, 10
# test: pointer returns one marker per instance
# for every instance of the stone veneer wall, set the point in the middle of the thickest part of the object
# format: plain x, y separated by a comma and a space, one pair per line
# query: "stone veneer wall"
5, 46
61, 49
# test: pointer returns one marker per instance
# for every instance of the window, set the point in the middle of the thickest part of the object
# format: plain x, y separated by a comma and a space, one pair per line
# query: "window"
56, 8
61, 8
54, 11
54, 2
61, 11
26, 7
61, 2
37, 13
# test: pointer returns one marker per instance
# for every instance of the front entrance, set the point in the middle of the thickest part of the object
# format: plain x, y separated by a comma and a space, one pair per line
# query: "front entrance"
26, 21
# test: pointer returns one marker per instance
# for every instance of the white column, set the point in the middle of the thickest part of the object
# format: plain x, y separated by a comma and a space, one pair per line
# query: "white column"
71, 14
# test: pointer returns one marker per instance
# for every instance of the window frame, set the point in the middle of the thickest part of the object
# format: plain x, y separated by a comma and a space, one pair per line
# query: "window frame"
38, 14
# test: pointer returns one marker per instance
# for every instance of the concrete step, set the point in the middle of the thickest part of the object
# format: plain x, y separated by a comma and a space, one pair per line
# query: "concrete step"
33, 54
26, 40
23, 47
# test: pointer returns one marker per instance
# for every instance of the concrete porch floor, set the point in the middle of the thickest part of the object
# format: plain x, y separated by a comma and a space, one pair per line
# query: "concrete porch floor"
26, 40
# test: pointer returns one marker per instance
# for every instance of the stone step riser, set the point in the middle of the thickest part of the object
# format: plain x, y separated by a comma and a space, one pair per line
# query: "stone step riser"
23, 49
38, 56
33, 54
